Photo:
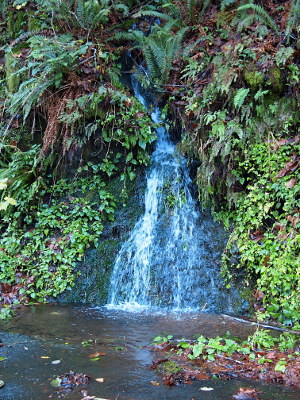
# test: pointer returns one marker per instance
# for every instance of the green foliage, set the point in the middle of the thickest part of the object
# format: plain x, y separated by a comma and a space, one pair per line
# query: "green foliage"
160, 48
49, 59
46, 249
258, 13
292, 27
208, 348
6, 313
266, 222
21, 173
239, 97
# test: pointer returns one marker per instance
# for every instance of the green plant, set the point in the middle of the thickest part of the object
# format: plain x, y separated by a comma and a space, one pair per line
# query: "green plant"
6, 313
256, 12
46, 249
281, 365
160, 48
162, 339
266, 221
292, 27
22, 176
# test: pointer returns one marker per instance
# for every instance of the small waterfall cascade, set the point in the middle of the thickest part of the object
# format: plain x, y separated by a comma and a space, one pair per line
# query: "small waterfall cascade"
172, 256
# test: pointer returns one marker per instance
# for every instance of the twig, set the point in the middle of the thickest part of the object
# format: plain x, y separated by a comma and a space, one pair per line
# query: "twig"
231, 359
276, 328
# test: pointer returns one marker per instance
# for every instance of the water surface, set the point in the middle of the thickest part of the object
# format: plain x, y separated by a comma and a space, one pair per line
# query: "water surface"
61, 333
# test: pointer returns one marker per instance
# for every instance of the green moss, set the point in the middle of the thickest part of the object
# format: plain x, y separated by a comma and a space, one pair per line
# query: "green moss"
168, 367
253, 76
275, 79
11, 66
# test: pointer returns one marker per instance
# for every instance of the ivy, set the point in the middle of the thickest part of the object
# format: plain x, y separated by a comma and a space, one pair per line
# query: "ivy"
266, 226
42, 254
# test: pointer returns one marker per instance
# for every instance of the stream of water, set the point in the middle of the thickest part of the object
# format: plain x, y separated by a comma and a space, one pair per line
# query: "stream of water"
172, 258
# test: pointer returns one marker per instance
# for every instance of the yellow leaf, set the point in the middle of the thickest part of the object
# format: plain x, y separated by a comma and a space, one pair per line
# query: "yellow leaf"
45, 357
10, 200
99, 379
154, 383
3, 205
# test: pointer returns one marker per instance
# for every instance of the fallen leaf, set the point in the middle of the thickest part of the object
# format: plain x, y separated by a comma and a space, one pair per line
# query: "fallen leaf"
2, 358
247, 393
99, 380
45, 357
206, 389
291, 183
154, 383
55, 362
293, 220
96, 355
55, 382
95, 359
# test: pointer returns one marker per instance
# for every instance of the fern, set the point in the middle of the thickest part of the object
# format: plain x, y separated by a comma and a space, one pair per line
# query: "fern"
152, 13
293, 18
258, 13
160, 48
226, 3
22, 173
240, 97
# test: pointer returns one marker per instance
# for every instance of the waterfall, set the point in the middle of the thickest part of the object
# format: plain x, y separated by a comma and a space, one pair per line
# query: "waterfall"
172, 256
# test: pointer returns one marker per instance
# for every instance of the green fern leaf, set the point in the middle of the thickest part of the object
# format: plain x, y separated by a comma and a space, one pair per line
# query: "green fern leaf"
240, 97
261, 14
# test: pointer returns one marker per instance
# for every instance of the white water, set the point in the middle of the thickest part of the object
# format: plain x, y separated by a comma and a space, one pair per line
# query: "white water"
171, 258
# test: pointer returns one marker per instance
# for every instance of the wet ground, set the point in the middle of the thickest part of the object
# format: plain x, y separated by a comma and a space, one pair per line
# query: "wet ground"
47, 341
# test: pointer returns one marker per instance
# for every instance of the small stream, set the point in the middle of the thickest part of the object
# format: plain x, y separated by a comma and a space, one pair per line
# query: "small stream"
61, 333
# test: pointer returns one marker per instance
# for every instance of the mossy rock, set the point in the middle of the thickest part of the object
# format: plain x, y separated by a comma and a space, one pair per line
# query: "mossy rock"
253, 76
168, 367
275, 79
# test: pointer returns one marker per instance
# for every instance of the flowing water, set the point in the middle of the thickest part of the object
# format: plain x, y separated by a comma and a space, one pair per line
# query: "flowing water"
172, 257
69, 336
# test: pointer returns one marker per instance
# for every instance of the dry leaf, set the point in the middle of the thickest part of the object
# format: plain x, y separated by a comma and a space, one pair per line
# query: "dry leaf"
154, 383
96, 355
99, 380
291, 183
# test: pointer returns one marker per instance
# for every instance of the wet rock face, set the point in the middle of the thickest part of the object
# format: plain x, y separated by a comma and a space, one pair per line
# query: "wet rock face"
93, 280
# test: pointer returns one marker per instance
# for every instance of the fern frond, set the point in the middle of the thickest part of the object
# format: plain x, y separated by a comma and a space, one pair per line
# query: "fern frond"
240, 96
152, 13
261, 14
293, 18
226, 3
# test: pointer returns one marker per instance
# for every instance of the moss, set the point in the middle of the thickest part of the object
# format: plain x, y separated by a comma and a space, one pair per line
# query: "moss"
275, 79
253, 76
168, 367
11, 66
